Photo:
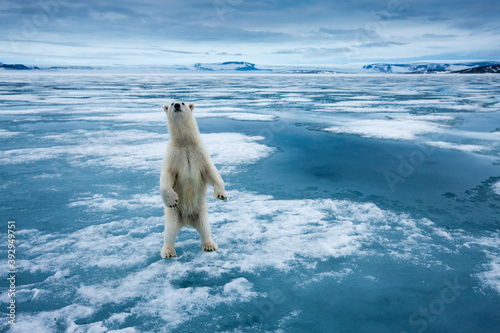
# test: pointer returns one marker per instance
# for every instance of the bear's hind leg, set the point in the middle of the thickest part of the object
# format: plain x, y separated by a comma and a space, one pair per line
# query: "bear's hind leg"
172, 227
203, 228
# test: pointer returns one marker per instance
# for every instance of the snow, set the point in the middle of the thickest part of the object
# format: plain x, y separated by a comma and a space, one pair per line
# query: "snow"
303, 223
94, 150
159, 117
491, 276
496, 187
237, 116
8, 134
48, 321
449, 145
248, 243
396, 129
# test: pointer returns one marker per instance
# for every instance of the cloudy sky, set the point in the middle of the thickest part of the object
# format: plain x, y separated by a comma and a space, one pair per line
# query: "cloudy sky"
163, 32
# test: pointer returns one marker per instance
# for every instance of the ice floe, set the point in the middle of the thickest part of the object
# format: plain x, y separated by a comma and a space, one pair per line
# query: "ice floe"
496, 187
95, 149
396, 129
462, 147
255, 233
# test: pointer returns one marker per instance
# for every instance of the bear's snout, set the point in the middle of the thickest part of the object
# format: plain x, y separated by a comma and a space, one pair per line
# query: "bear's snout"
177, 107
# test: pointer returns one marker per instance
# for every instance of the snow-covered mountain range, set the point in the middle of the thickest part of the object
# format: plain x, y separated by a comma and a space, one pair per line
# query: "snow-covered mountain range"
21, 67
482, 69
430, 67
239, 66
227, 66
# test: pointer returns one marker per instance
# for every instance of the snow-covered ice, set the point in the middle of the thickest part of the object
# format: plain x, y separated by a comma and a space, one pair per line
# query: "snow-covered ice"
354, 202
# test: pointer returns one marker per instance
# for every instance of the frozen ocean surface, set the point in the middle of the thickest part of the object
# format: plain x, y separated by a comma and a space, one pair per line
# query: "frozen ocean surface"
356, 203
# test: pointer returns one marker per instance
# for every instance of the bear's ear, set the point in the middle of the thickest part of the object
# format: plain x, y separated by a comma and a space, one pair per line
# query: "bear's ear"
165, 108
191, 106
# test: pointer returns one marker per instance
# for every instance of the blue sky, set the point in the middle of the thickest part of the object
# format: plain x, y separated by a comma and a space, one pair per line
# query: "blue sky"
154, 32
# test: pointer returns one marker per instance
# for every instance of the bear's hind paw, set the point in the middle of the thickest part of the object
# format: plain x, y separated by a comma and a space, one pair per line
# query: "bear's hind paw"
168, 253
209, 246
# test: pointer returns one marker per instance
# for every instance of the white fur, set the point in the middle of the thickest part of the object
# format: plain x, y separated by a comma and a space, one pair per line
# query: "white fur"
185, 173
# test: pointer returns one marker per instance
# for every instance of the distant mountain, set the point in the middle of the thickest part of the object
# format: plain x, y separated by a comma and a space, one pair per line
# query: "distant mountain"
18, 67
227, 66
310, 71
21, 67
405, 68
422, 68
480, 69
242, 66
70, 67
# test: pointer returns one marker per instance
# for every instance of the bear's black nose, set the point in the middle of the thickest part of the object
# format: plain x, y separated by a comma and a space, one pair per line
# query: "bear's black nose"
177, 106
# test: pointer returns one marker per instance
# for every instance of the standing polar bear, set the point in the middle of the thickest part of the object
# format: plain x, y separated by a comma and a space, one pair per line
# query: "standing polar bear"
185, 173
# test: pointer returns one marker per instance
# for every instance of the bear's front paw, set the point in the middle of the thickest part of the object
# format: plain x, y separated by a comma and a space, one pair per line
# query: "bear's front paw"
168, 253
221, 195
170, 198
209, 246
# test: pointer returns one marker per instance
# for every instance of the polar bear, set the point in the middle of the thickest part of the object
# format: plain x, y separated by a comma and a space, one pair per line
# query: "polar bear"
186, 171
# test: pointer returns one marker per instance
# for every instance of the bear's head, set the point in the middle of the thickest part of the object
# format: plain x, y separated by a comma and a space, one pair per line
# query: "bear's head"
178, 109
181, 122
